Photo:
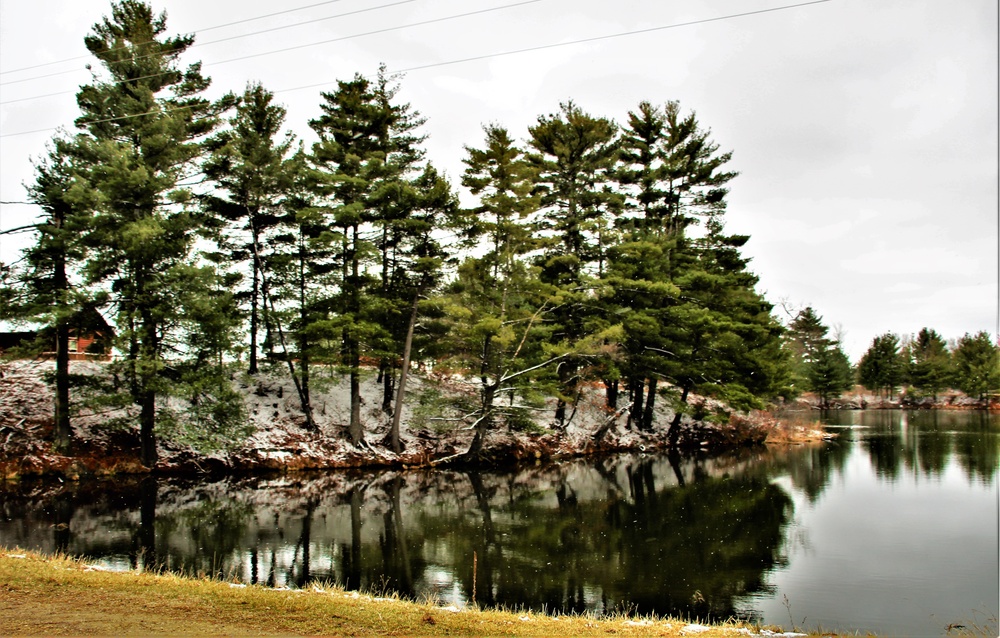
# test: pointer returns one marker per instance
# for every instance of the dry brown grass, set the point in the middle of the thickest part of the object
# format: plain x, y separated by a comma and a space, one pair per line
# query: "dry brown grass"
792, 428
62, 596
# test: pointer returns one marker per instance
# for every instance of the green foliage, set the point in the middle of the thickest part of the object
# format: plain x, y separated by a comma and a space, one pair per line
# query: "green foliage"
818, 363
210, 415
977, 365
143, 121
881, 367
253, 170
929, 363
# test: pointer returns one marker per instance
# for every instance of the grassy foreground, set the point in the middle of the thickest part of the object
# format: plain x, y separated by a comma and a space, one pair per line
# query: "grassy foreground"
42, 595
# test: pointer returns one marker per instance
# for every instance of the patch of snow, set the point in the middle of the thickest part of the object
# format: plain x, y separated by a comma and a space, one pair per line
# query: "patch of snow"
694, 629
452, 608
237, 585
638, 623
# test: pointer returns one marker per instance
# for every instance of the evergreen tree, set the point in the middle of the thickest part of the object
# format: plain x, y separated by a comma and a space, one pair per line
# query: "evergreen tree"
726, 342
250, 165
692, 316
418, 265
364, 165
880, 368
143, 122
394, 199
818, 363
977, 365
930, 363
830, 373
574, 157
44, 289
495, 305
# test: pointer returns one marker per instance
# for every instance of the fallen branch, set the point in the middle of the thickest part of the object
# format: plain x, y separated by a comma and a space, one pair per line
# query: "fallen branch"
606, 426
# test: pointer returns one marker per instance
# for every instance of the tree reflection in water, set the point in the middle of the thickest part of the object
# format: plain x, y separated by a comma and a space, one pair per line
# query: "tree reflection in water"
650, 534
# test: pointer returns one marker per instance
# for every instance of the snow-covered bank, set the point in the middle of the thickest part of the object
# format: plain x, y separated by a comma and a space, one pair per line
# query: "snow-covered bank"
432, 428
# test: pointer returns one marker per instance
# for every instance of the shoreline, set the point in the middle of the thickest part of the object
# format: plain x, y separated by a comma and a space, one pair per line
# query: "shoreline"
277, 442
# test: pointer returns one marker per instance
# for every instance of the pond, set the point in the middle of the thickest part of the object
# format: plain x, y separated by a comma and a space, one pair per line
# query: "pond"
891, 528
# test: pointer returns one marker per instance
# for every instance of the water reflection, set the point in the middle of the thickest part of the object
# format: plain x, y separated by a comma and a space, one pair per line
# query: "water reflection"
646, 533
705, 538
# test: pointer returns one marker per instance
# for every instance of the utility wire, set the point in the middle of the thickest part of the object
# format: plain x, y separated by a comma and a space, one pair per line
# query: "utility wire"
300, 46
580, 41
235, 37
218, 26
472, 58
385, 30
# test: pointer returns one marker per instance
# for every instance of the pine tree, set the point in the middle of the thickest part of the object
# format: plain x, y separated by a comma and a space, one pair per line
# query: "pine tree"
881, 368
691, 315
930, 366
495, 304
726, 342
977, 365
574, 157
45, 288
418, 263
830, 373
363, 165
144, 121
818, 363
250, 165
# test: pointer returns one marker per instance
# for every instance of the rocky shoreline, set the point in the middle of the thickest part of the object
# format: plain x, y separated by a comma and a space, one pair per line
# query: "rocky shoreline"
857, 400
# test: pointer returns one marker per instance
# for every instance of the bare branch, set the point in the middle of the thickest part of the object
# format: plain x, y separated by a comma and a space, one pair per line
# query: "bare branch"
508, 377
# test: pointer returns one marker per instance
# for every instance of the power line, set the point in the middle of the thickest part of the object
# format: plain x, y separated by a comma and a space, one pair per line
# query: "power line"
218, 26
580, 41
377, 31
474, 58
300, 46
235, 37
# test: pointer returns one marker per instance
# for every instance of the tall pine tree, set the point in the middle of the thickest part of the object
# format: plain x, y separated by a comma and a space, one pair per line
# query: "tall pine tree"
573, 155
144, 119
249, 164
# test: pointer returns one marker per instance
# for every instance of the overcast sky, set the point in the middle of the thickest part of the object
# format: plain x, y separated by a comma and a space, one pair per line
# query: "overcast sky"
864, 131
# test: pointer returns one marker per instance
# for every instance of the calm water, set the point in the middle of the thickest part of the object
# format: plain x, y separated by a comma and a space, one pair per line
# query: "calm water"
893, 528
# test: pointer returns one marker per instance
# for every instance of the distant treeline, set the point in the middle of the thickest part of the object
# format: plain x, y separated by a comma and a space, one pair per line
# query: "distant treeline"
925, 365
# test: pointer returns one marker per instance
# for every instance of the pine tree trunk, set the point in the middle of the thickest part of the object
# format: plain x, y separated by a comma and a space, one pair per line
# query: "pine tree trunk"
63, 432
147, 421
404, 373
254, 320
647, 415
611, 393
388, 385
149, 349
304, 345
485, 421
355, 429
636, 387
674, 433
